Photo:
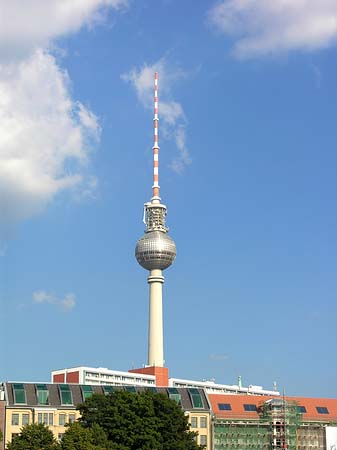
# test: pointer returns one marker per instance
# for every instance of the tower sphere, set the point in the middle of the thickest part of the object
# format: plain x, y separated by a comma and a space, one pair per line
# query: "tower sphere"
155, 250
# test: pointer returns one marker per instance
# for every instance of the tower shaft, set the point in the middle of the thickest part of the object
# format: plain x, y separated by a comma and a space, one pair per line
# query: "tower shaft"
155, 349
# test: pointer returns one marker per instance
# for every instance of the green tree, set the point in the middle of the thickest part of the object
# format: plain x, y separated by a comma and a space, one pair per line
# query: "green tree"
77, 437
34, 437
146, 421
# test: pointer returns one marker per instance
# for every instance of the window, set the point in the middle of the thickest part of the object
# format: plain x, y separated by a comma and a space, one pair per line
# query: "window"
174, 394
25, 419
249, 407
203, 439
45, 418
203, 422
15, 419
62, 419
65, 394
86, 392
224, 407
107, 389
151, 388
42, 394
19, 394
60, 436
194, 422
72, 418
322, 410
302, 409
130, 388
196, 398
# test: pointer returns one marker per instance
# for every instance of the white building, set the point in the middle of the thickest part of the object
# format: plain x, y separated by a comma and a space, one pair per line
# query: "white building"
215, 388
102, 375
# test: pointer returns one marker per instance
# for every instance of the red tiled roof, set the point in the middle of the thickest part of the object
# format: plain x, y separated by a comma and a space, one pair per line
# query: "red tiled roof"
237, 403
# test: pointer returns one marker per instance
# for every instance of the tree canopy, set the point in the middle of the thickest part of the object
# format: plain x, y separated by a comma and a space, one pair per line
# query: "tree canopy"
79, 438
146, 421
34, 437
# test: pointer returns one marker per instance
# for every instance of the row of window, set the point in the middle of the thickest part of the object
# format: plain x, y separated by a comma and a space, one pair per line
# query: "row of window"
118, 378
45, 418
16, 419
199, 422
252, 407
228, 407
42, 394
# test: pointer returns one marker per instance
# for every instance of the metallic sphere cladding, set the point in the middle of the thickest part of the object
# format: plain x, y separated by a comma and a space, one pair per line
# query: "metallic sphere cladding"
155, 250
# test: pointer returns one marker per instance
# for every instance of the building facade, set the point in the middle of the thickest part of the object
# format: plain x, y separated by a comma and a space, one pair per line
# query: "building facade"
54, 405
258, 423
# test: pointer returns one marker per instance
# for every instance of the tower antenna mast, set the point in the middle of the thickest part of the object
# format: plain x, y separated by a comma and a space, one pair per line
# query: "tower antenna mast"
155, 187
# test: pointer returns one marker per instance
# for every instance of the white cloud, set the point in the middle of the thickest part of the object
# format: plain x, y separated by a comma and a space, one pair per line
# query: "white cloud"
171, 113
67, 303
46, 137
30, 24
263, 27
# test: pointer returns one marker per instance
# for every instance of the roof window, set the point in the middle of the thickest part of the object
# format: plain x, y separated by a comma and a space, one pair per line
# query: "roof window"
19, 394
224, 407
322, 410
249, 407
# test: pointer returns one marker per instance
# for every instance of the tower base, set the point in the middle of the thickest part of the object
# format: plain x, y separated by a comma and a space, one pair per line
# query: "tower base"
161, 374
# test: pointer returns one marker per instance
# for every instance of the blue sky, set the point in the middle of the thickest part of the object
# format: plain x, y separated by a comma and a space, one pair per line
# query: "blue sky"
248, 136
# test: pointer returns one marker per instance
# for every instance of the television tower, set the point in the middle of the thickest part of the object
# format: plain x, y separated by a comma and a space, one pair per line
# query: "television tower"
155, 251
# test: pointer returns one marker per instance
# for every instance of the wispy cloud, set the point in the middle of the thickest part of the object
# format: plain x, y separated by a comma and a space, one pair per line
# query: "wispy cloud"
217, 357
171, 112
264, 27
66, 303
318, 76
46, 136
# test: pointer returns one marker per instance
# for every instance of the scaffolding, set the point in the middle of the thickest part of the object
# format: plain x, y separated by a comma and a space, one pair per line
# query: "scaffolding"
275, 429
311, 436
284, 420
241, 435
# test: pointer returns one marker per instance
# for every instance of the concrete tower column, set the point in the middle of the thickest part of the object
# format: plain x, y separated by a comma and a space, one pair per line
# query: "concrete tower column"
156, 352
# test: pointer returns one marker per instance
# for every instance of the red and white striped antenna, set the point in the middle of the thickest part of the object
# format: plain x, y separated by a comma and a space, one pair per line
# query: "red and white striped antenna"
155, 187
